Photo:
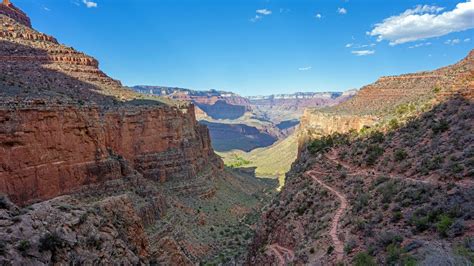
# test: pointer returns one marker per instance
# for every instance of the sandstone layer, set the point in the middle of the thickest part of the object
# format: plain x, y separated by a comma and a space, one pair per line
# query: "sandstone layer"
65, 123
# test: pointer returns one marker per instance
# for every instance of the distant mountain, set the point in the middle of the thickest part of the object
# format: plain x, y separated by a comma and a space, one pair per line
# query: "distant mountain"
227, 114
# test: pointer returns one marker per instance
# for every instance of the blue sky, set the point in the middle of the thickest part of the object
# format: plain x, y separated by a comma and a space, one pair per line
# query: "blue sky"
260, 47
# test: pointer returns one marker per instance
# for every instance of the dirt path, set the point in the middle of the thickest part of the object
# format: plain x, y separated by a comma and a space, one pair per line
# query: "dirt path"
338, 244
283, 254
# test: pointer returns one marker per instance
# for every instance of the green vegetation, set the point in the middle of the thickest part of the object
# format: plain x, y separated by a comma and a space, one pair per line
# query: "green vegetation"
326, 142
400, 155
440, 126
270, 162
443, 224
393, 124
364, 259
23, 246
237, 161
373, 152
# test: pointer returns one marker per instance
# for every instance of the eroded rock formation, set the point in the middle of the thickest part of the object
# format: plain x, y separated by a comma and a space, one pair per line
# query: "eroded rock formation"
65, 124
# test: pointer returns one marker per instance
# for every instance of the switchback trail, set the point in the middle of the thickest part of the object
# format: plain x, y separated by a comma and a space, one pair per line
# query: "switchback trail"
338, 244
283, 254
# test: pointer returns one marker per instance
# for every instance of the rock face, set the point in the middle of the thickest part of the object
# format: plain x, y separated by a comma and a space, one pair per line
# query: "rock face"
50, 151
7, 9
215, 104
317, 124
243, 137
385, 98
65, 124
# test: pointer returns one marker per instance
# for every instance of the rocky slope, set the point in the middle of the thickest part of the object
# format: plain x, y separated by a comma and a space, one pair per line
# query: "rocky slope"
396, 192
126, 164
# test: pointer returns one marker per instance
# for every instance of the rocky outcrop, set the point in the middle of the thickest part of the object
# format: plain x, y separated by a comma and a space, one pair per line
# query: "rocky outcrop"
380, 100
51, 151
7, 9
65, 124
315, 124
62, 230
388, 93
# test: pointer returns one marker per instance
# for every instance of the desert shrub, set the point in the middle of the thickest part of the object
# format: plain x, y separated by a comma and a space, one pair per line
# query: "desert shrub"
440, 126
23, 246
379, 180
465, 249
456, 168
393, 254
377, 137
400, 155
388, 191
397, 216
364, 259
433, 164
443, 224
436, 89
393, 124
387, 238
50, 242
373, 152
361, 201
326, 142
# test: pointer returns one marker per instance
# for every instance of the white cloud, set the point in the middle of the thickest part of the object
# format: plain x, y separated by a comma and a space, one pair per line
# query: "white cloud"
256, 18
363, 52
342, 11
358, 46
318, 16
46, 9
467, 40
452, 42
264, 12
424, 22
89, 4
420, 45
305, 68
260, 14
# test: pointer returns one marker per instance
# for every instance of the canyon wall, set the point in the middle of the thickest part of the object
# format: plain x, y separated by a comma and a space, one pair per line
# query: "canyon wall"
315, 124
380, 100
45, 152
64, 123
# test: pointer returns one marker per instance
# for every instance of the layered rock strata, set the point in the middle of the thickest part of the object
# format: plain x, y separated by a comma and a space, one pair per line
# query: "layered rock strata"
65, 123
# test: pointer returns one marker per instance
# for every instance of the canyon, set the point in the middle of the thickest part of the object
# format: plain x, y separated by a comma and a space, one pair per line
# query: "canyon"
254, 121
94, 172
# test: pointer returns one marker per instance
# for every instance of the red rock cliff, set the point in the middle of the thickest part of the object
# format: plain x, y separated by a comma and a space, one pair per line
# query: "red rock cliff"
64, 123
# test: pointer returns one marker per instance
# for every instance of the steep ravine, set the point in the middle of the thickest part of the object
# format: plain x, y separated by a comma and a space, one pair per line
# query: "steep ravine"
92, 172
